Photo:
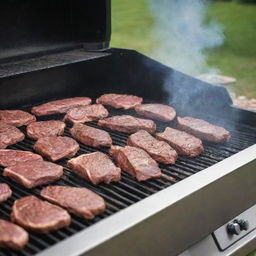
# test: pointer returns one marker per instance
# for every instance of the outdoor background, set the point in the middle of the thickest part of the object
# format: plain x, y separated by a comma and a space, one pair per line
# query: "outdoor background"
132, 23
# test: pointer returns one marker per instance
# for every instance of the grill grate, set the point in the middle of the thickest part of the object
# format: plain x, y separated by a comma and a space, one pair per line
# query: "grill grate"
128, 191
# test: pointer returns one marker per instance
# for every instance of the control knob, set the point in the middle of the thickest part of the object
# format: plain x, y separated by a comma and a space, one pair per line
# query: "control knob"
244, 224
233, 228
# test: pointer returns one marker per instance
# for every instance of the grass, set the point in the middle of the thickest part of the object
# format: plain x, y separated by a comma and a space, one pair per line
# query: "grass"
132, 23
237, 57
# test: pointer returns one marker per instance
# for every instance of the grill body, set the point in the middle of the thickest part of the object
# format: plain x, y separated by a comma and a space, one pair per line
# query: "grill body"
153, 217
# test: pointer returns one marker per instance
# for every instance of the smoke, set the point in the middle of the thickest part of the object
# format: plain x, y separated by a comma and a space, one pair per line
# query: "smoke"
183, 35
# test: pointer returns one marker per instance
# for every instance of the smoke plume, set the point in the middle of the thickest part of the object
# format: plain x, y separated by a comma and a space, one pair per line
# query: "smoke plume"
183, 35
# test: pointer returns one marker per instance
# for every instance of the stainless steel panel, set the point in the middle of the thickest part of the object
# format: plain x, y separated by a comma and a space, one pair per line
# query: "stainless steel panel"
224, 239
207, 247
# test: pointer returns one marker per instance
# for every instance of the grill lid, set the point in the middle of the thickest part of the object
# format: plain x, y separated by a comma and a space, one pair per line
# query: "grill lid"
29, 27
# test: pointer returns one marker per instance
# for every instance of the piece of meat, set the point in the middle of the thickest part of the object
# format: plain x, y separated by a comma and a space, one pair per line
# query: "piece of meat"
123, 101
156, 111
95, 167
203, 129
56, 147
60, 106
12, 236
37, 130
80, 201
32, 174
11, 157
5, 192
91, 136
128, 124
159, 150
16, 117
182, 142
86, 113
9, 135
39, 216
136, 162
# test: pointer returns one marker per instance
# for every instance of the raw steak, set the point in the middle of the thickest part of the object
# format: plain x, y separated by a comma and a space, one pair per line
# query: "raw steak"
5, 192
9, 135
38, 215
203, 129
158, 150
11, 157
136, 162
56, 148
80, 201
95, 167
156, 111
91, 136
60, 106
12, 236
86, 113
128, 124
123, 101
37, 130
32, 174
16, 117
182, 142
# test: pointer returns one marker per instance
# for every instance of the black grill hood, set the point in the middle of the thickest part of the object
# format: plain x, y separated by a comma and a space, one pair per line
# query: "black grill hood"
29, 27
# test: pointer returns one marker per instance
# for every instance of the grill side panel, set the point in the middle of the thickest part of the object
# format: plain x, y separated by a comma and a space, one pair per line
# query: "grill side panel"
120, 71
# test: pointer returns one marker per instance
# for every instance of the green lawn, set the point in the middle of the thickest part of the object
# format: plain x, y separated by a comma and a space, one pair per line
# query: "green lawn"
237, 57
132, 23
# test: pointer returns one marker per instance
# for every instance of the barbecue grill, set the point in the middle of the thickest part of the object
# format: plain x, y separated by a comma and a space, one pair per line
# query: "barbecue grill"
52, 49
